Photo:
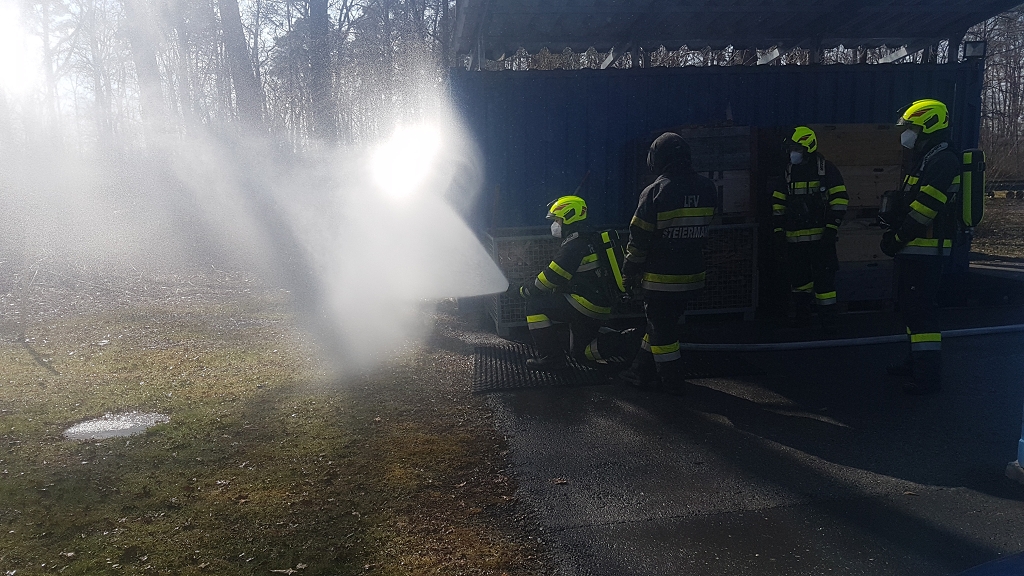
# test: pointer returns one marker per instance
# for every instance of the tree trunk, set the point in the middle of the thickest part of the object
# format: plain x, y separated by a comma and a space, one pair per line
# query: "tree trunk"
143, 36
104, 127
243, 79
324, 121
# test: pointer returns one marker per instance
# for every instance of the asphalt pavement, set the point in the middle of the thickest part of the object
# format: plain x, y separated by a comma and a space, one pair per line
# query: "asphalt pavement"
813, 462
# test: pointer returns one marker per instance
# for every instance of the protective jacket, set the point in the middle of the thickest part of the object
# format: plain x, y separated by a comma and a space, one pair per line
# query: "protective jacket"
576, 271
669, 230
809, 198
928, 186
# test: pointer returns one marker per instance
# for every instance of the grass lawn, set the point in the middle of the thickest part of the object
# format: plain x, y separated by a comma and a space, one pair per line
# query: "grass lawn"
268, 464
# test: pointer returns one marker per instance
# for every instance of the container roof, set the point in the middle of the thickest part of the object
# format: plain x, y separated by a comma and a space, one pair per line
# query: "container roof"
504, 26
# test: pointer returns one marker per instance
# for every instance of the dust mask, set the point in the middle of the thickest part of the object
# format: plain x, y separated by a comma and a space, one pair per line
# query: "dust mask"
908, 139
556, 229
796, 157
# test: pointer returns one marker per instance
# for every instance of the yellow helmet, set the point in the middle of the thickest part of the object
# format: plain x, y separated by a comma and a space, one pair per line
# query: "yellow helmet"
569, 208
930, 115
805, 137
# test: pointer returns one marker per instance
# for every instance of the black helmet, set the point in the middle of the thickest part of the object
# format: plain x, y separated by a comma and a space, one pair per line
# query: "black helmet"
667, 150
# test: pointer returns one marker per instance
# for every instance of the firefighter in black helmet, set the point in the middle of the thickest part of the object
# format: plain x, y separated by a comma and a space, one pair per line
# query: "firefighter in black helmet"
808, 205
664, 257
920, 237
575, 288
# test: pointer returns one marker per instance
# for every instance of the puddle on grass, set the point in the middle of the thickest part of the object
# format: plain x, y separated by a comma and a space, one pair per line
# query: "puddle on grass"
114, 425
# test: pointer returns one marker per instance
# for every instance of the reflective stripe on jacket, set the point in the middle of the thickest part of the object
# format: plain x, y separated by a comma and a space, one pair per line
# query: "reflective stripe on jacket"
926, 193
669, 230
575, 271
808, 199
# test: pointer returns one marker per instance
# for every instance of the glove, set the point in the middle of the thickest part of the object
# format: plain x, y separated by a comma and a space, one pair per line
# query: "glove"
891, 243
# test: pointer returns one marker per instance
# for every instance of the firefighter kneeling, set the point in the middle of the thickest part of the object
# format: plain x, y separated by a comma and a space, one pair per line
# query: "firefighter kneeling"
577, 287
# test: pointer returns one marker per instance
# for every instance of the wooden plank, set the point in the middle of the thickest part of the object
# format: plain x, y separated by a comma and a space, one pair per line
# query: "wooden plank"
718, 148
865, 184
858, 241
860, 144
733, 190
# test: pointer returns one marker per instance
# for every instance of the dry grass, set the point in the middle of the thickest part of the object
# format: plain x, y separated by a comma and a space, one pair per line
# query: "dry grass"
1001, 233
266, 464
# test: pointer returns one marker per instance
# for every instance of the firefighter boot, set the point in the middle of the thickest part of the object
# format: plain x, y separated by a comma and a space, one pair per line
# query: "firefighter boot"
927, 377
670, 375
550, 356
904, 369
641, 373
798, 314
829, 317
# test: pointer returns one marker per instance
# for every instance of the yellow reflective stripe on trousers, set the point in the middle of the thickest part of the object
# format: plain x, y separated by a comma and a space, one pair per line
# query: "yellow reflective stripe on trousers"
673, 282
538, 321
666, 353
808, 288
642, 224
779, 195
837, 189
592, 353
926, 341
588, 308
804, 235
826, 298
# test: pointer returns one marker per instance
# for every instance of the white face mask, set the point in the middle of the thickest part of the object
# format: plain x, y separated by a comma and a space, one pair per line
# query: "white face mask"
556, 229
796, 157
908, 139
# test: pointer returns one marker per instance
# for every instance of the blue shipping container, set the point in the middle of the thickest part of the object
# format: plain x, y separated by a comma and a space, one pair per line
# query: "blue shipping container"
540, 132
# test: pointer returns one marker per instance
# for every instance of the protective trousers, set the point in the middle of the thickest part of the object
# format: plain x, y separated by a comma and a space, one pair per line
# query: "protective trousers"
812, 276
917, 290
587, 339
659, 351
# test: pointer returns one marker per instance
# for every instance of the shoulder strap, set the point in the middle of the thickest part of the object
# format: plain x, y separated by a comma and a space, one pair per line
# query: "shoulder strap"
821, 166
931, 154
609, 252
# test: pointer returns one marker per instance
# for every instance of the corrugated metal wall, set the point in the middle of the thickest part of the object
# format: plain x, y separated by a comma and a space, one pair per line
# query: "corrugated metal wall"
541, 131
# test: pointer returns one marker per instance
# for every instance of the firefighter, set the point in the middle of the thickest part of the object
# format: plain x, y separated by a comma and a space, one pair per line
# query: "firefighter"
575, 288
920, 238
808, 205
664, 257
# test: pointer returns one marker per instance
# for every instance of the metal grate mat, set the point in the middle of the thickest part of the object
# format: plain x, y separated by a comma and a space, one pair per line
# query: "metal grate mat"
500, 368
